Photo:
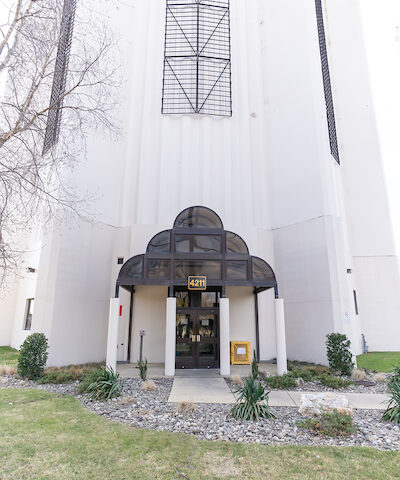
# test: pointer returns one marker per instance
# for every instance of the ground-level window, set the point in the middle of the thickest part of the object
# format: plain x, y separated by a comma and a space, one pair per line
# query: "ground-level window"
355, 302
28, 313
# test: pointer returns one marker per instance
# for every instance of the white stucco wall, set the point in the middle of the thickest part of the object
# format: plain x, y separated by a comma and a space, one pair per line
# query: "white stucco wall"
149, 310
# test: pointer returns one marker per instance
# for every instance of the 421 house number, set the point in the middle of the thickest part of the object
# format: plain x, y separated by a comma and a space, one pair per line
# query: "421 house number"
197, 283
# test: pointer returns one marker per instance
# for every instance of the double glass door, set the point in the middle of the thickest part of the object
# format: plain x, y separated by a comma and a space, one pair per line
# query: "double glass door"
197, 339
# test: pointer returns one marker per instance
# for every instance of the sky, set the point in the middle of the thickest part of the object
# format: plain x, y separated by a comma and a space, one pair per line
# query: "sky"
381, 20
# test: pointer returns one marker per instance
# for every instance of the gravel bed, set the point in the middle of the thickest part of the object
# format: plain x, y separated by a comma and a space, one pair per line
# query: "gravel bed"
316, 386
150, 410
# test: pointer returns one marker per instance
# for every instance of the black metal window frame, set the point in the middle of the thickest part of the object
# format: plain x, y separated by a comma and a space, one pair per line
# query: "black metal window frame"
326, 77
28, 314
60, 75
140, 273
197, 58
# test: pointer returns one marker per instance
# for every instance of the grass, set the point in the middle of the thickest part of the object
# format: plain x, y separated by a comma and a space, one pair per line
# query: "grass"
44, 436
8, 356
379, 361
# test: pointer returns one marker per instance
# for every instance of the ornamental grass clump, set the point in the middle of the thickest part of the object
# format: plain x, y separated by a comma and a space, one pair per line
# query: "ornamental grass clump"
251, 401
339, 356
33, 356
392, 413
105, 386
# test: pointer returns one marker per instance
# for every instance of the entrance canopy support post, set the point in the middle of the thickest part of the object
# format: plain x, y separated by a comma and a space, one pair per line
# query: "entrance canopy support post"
281, 356
224, 337
170, 337
112, 340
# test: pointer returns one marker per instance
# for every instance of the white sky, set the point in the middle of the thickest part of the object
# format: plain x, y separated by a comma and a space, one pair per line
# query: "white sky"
382, 35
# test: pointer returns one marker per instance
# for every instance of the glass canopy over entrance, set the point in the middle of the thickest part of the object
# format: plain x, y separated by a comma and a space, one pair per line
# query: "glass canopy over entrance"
197, 245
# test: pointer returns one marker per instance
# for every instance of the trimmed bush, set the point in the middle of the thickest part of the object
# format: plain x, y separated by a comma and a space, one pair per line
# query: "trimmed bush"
281, 382
333, 424
107, 385
339, 355
251, 401
33, 356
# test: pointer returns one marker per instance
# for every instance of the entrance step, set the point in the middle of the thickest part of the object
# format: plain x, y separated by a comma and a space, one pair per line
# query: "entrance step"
200, 390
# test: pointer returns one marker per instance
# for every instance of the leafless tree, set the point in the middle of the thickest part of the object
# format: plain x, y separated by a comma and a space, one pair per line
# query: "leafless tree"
57, 74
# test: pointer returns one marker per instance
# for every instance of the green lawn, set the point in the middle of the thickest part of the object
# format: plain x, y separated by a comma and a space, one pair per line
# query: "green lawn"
8, 356
44, 436
379, 361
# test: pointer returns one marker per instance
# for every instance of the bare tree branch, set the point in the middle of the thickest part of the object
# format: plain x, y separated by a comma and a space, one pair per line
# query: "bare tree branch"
32, 185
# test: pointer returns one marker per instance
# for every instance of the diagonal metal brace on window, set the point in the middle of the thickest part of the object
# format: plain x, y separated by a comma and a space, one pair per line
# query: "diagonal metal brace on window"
60, 75
197, 60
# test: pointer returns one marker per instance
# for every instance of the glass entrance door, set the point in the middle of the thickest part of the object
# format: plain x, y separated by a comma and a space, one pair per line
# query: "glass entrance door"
197, 331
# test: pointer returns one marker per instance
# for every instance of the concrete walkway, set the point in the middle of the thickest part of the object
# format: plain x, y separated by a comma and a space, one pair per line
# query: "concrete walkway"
215, 390
156, 370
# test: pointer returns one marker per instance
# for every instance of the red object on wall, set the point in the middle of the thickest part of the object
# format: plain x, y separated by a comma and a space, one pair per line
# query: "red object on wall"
120, 310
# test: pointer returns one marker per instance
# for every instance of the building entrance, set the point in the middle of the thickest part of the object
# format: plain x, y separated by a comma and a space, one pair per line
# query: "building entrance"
197, 330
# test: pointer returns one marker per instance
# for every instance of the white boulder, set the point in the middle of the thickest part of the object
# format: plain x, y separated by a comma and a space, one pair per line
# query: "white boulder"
314, 404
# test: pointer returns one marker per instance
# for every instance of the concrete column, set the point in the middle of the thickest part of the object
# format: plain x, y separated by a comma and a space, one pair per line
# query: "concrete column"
281, 357
112, 340
224, 337
170, 337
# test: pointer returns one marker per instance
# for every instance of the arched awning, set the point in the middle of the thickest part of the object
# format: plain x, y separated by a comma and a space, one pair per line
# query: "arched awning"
197, 245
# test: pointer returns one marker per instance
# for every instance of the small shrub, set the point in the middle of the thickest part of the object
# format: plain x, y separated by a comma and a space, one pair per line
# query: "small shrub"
185, 407
339, 355
254, 366
392, 413
332, 424
33, 356
251, 401
149, 386
281, 382
142, 365
107, 385
236, 380
334, 382
359, 375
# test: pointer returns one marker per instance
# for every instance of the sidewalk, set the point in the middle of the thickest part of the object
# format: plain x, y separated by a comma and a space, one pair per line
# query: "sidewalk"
215, 390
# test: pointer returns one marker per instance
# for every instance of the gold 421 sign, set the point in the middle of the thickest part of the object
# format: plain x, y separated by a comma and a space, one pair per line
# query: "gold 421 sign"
197, 283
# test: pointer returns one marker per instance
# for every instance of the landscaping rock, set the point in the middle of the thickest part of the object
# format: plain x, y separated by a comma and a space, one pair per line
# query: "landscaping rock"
299, 382
313, 405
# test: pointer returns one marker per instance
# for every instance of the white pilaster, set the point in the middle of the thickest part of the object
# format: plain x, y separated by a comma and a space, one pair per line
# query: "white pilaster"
112, 340
224, 337
281, 357
170, 337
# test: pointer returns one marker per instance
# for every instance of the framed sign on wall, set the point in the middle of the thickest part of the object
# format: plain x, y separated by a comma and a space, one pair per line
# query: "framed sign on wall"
197, 282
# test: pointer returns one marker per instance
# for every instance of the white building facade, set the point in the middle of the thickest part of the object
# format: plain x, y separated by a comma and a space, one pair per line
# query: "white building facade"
250, 142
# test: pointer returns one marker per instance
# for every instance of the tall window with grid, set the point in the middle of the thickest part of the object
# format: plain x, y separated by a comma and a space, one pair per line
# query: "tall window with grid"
60, 75
197, 60
326, 76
